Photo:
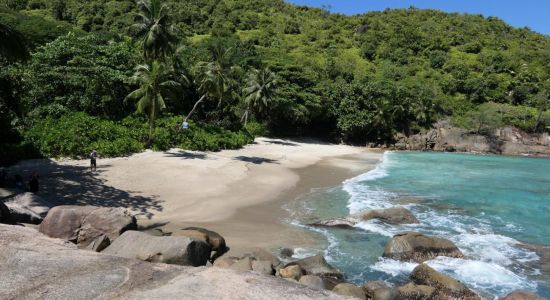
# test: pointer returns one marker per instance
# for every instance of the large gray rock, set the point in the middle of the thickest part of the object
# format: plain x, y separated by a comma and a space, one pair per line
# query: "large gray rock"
522, 295
34, 266
317, 265
393, 215
84, 224
445, 286
177, 250
28, 208
418, 247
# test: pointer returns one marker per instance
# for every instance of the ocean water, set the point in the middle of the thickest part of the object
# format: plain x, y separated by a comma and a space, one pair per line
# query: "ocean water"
496, 209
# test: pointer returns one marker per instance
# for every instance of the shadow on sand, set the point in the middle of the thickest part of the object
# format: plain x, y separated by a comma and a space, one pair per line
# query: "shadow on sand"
186, 155
77, 185
256, 160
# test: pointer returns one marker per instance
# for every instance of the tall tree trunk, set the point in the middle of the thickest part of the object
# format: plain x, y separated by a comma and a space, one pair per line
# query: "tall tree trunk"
194, 107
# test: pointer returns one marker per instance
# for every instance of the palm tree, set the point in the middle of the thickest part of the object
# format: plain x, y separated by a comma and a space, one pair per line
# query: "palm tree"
154, 27
12, 45
154, 81
212, 80
260, 90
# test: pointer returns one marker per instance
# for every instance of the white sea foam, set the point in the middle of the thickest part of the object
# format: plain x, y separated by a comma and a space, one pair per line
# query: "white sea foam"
482, 275
364, 197
394, 267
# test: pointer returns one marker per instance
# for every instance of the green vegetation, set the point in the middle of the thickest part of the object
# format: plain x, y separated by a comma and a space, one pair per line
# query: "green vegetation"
353, 78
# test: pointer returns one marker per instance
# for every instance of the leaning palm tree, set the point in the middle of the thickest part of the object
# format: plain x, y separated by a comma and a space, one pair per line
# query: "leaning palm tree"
12, 45
212, 81
260, 89
154, 81
154, 27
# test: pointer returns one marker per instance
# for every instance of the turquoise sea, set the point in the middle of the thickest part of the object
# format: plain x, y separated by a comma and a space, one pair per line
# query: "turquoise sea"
494, 208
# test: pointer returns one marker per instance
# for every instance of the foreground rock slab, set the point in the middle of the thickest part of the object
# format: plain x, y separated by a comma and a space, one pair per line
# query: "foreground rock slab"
84, 224
28, 208
34, 266
419, 248
177, 250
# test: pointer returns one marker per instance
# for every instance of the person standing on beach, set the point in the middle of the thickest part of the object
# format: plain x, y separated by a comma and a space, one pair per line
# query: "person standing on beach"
93, 162
33, 183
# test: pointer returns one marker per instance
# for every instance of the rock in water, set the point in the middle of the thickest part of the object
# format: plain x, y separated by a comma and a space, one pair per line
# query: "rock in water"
28, 208
5, 215
418, 247
84, 224
176, 250
522, 295
34, 266
394, 215
350, 290
318, 266
445, 286
344, 223
216, 241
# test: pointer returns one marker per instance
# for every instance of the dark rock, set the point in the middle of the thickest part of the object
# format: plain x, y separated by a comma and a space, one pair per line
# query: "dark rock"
99, 244
5, 215
84, 224
286, 252
179, 250
216, 241
418, 247
317, 265
350, 290
28, 208
522, 295
444, 285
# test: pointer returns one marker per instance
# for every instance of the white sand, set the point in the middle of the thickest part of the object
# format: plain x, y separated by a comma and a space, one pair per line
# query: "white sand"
186, 187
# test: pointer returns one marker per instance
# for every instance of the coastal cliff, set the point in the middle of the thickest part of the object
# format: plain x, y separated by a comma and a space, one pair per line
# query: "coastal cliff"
505, 141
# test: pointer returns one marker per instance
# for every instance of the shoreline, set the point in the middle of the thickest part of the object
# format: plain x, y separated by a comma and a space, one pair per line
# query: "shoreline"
266, 225
239, 193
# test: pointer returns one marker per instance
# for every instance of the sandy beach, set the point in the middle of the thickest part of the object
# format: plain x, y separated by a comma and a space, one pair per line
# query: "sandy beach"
239, 193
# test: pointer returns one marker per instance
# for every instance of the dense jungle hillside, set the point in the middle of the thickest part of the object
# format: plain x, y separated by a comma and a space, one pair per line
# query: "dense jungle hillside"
67, 67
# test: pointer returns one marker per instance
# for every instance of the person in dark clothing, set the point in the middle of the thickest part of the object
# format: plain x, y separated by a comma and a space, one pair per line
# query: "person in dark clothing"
93, 162
33, 183
19, 184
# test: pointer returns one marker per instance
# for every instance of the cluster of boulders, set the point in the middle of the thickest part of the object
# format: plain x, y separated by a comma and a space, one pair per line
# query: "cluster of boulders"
113, 231
426, 283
